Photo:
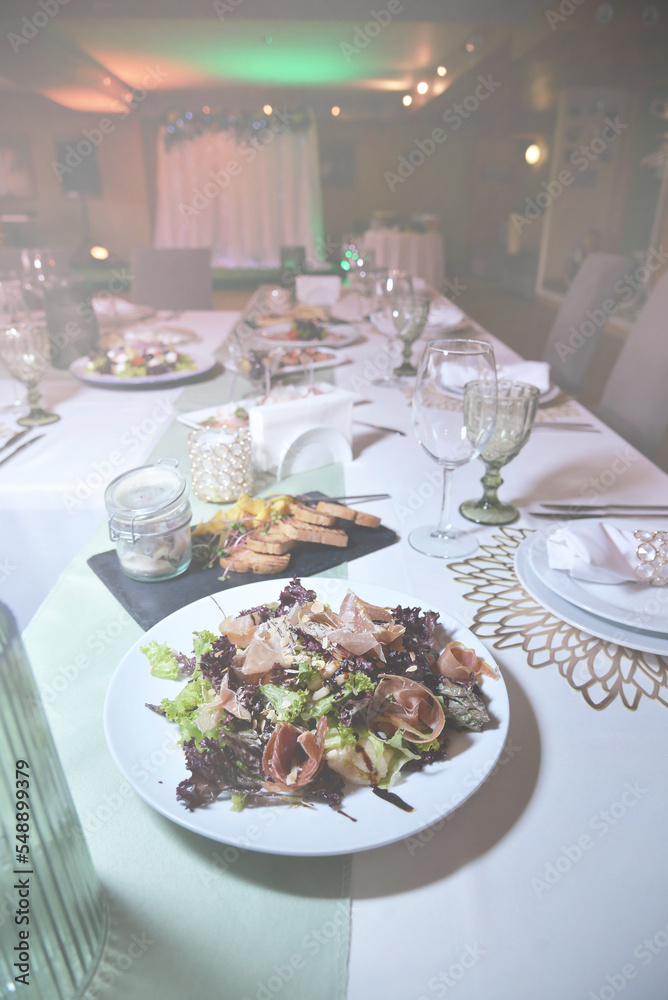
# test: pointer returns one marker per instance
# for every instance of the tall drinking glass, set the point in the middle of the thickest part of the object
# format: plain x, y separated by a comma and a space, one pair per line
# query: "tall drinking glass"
442, 427
53, 930
24, 349
516, 410
392, 312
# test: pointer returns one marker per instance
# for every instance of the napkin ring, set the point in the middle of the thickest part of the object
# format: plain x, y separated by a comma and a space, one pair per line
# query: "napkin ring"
652, 553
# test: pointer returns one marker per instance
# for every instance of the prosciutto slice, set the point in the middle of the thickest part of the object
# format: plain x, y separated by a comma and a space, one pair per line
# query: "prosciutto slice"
459, 663
240, 631
225, 701
368, 618
293, 756
269, 646
400, 703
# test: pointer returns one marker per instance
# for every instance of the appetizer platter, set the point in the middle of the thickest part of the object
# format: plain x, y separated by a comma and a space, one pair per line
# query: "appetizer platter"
308, 332
283, 361
304, 719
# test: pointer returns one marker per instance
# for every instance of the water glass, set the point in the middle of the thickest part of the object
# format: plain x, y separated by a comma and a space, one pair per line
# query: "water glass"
517, 403
54, 916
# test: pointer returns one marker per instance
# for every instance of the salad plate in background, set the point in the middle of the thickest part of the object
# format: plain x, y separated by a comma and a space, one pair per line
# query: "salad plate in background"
134, 366
134, 732
308, 333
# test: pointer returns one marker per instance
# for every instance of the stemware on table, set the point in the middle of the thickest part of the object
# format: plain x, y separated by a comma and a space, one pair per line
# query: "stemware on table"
441, 427
392, 312
24, 349
517, 403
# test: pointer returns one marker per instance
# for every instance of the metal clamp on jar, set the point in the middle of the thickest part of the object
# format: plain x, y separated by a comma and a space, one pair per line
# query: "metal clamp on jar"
149, 520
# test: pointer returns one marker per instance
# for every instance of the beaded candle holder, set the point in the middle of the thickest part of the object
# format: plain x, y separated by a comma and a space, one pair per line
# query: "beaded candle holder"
221, 464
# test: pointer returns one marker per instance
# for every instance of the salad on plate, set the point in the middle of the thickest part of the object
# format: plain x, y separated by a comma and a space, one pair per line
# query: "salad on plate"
138, 360
290, 701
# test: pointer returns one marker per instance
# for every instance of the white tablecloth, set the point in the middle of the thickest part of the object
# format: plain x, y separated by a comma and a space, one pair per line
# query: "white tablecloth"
549, 882
421, 254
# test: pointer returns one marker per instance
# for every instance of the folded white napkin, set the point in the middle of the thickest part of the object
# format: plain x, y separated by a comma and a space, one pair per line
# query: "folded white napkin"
275, 425
317, 289
595, 551
443, 312
534, 372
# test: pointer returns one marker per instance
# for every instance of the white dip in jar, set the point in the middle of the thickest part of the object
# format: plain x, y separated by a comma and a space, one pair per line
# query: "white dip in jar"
149, 520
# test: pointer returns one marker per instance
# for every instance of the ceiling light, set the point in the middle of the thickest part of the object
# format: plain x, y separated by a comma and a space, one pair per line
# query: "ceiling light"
422, 87
441, 70
336, 111
532, 154
99, 253
267, 109
406, 100
106, 81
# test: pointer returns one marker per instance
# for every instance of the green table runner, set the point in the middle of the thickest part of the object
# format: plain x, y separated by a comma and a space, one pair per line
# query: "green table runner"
189, 917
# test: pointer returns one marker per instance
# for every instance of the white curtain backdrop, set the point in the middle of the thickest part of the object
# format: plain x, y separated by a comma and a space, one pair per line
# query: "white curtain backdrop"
243, 199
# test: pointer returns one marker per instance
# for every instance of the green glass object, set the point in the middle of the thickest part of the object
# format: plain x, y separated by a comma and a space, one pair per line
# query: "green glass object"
517, 404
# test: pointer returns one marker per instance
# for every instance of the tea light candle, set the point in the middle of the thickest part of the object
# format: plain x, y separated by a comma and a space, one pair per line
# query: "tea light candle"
220, 463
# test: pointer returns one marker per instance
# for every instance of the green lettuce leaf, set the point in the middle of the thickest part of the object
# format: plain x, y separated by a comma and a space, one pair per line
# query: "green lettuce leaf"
287, 704
163, 661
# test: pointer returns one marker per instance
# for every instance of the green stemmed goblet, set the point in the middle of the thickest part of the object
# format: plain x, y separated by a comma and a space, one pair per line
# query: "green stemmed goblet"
517, 404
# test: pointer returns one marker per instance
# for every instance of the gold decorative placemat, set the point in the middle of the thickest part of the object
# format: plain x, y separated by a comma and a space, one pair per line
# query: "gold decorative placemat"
508, 617
560, 406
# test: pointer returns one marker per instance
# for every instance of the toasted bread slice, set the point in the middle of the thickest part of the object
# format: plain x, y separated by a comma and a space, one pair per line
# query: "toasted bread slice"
304, 513
247, 561
304, 532
336, 510
273, 541
367, 520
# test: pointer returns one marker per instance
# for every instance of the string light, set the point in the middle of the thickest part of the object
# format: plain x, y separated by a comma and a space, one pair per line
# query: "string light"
336, 111
267, 109
441, 70
422, 87
406, 100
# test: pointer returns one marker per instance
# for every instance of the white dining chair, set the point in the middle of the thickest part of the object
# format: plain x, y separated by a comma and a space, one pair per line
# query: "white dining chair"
582, 317
178, 278
635, 399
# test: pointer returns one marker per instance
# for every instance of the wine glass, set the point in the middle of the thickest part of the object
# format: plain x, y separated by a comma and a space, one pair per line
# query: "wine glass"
392, 312
516, 410
24, 349
12, 307
441, 426
420, 315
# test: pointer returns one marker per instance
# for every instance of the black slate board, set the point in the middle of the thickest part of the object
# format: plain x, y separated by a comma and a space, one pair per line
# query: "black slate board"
149, 603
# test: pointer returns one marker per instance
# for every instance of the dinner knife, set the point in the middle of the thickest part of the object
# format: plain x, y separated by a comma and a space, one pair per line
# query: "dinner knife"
20, 448
564, 425
15, 437
605, 506
563, 516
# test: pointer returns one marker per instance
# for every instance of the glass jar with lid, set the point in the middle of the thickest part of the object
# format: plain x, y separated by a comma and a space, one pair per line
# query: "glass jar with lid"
149, 520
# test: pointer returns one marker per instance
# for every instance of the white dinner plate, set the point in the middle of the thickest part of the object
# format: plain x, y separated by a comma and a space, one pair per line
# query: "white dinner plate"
119, 312
544, 397
332, 362
602, 628
634, 604
203, 363
135, 733
337, 335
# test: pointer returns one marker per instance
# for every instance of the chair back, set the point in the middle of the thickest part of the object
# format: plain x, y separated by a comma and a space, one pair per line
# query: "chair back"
582, 316
635, 399
172, 278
